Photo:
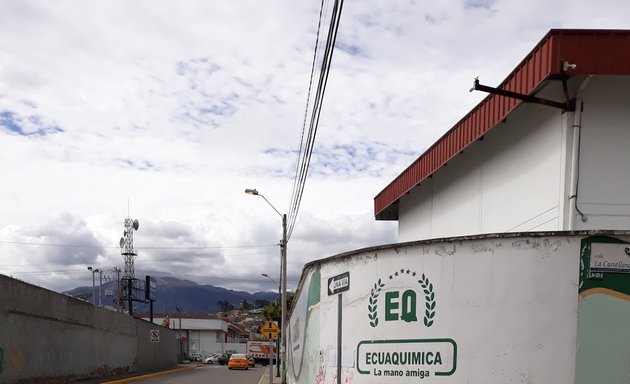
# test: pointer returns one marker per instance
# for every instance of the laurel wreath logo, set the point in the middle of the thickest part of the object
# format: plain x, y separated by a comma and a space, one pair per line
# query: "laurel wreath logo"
373, 300
429, 296
427, 288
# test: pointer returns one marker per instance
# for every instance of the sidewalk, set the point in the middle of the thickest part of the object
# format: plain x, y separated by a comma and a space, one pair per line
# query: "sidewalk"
265, 377
134, 376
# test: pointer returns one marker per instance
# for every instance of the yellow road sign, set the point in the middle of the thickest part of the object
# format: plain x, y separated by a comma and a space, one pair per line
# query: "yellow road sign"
270, 330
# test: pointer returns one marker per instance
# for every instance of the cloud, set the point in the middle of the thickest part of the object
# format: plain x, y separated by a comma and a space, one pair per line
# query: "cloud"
26, 126
167, 112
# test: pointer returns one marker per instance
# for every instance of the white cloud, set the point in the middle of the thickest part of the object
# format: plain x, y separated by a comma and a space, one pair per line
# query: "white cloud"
180, 107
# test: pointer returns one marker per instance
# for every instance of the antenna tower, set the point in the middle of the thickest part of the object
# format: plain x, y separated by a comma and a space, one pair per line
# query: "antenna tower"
127, 250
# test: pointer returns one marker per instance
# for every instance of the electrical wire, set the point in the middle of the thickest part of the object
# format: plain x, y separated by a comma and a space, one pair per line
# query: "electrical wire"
223, 277
138, 247
306, 146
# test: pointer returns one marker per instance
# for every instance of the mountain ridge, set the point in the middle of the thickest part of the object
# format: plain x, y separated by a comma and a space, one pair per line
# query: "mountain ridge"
172, 292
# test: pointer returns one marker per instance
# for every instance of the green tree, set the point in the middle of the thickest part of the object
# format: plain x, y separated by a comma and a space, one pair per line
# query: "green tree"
261, 303
223, 305
245, 305
272, 311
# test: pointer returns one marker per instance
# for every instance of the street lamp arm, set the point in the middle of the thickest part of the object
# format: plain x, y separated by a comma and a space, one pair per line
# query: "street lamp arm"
269, 277
271, 205
254, 192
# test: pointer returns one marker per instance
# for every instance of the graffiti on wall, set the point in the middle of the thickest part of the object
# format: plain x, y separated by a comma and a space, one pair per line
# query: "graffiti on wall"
14, 359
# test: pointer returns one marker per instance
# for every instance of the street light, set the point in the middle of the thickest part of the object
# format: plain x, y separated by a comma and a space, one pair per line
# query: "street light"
277, 339
283, 281
100, 287
93, 284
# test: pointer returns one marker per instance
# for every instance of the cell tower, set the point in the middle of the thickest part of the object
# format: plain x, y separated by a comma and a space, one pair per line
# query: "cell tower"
127, 250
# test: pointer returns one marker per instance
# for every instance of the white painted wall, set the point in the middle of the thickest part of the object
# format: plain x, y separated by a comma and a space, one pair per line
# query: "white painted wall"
206, 336
517, 178
507, 182
604, 186
509, 304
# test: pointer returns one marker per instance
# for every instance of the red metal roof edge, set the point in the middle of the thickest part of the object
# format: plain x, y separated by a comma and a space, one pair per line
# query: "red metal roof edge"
541, 62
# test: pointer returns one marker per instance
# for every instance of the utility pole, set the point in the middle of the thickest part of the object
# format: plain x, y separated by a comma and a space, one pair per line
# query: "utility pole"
283, 281
118, 290
100, 287
93, 285
179, 354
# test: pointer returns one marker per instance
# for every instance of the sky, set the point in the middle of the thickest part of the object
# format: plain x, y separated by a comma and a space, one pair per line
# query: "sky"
165, 112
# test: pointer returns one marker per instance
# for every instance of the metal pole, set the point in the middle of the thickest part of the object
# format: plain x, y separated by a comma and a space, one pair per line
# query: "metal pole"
270, 364
283, 342
93, 287
100, 288
339, 308
277, 354
179, 352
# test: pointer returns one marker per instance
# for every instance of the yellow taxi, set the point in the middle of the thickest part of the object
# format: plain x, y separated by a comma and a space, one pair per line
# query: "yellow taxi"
238, 360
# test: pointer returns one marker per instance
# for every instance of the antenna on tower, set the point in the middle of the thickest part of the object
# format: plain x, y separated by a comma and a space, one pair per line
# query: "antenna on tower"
127, 250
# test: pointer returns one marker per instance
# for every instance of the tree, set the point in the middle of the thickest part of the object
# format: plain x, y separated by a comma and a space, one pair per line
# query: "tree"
272, 311
261, 303
223, 305
245, 305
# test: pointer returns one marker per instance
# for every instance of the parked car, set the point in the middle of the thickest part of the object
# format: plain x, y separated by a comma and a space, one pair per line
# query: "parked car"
213, 359
250, 360
238, 360
223, 359
196, 357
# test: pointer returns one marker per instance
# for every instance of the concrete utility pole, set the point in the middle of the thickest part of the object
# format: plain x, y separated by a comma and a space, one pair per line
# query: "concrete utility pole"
118, 289
100, 287
277, 338
179, 354
283, 281
93, 284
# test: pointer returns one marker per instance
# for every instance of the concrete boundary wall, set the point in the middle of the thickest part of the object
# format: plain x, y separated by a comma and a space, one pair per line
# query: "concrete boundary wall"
47, 337
497, 308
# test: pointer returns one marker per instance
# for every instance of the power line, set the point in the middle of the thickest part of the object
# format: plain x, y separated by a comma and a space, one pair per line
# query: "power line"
306, 146
223, 277
139, 247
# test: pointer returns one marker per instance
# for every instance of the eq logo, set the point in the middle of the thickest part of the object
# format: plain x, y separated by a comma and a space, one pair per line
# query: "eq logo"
403, 305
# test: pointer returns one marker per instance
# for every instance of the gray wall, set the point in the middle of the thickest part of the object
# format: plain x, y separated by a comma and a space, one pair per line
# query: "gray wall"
47, 335
152, 355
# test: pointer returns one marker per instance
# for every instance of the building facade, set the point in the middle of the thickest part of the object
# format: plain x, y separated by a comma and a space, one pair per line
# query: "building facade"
513, 260
514, 166
204, 335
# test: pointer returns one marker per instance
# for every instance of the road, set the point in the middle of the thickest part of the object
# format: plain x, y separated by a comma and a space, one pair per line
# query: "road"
211, 374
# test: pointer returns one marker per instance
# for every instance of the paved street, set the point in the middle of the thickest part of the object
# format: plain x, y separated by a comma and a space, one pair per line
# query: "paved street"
210, 374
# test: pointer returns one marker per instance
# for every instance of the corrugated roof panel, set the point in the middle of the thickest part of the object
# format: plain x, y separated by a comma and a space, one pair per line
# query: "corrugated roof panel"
605, 52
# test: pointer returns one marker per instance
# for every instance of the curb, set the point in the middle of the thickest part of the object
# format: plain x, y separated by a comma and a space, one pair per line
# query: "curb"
150, 375
263, 377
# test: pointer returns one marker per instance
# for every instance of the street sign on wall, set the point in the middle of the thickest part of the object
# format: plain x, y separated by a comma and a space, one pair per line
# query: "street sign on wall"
155, 335
339, 283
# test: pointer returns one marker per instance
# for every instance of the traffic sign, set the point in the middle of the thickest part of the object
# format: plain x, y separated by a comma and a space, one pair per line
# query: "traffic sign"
339, 283
155, 335
270, 330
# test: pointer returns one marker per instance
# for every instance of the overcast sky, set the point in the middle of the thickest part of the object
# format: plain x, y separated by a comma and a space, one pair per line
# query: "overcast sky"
167, 111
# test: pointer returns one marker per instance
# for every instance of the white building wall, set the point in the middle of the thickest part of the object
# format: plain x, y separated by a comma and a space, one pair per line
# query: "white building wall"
518, 177
206, 336
507, 182
508, 302
604, 183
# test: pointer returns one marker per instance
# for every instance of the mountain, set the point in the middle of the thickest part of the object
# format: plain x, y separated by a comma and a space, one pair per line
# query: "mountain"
187, 295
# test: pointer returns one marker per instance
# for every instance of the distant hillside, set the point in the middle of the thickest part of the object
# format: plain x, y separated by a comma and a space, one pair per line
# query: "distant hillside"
185, 294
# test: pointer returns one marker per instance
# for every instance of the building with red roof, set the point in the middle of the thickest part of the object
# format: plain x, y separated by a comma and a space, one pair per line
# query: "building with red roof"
546, 150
